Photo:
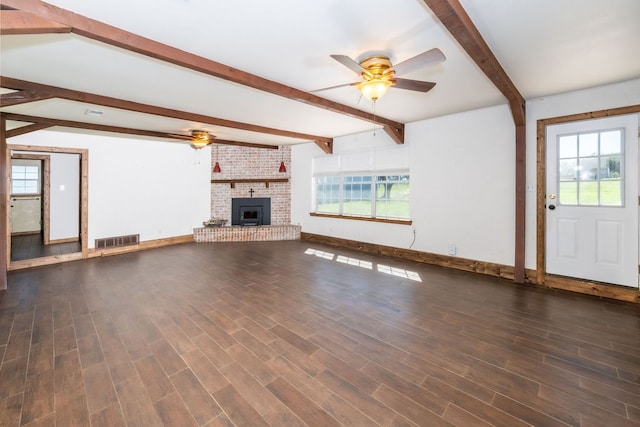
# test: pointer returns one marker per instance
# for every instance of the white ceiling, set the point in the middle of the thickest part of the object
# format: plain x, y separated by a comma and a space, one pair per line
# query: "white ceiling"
545, 46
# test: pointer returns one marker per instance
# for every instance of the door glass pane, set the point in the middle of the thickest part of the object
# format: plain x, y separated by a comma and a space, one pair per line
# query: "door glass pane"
568, 146
610, 167
31, 172
611, 142
611, 192
568, 170
588, 144
588, 168
568, 193
588, 193
31, 187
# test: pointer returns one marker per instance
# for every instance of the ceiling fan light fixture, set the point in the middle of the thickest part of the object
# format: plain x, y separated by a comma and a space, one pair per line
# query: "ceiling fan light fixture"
374, 89
200, 138
378, 73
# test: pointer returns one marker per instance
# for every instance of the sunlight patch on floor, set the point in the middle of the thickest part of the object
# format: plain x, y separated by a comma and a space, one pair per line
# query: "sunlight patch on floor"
400, 272
320, 254
385, 269
355, 261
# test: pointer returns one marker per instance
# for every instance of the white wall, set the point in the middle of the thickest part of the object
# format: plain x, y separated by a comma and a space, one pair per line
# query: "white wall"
463, 184
462, 178
154, 188
64, 196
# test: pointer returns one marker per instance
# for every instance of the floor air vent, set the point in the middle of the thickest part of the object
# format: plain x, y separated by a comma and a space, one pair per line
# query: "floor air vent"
114, 242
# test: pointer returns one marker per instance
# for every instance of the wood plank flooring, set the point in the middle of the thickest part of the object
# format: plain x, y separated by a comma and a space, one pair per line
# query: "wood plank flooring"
292, 334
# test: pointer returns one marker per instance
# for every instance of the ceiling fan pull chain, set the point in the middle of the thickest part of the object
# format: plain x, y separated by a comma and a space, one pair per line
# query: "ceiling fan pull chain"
373, 101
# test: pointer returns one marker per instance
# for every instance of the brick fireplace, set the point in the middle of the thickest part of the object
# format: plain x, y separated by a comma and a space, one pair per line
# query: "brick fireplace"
249, 172
248, 163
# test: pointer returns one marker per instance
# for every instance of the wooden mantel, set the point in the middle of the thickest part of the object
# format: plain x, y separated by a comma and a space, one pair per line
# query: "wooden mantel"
233, 182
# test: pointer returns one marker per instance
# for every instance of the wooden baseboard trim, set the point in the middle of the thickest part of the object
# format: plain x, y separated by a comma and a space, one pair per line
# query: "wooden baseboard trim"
93, 253
67, 240
491, 269
482, 267
142, 246
602, 290
38, 262
26, 233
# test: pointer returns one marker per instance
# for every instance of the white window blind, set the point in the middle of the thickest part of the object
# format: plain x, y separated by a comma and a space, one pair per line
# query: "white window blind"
355, 162
391, 159
375, 160
326, 165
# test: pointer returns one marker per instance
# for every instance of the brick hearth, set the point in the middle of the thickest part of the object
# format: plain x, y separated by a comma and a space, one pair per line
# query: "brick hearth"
246, 234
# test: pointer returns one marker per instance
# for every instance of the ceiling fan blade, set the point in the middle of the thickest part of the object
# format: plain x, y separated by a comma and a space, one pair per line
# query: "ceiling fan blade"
416, 85
350, 64
337, 86
430, 57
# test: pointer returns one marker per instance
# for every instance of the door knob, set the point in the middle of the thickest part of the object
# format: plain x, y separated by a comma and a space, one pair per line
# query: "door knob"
552, 207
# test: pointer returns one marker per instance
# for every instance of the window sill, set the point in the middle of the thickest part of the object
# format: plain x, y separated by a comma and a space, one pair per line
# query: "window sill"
364, 218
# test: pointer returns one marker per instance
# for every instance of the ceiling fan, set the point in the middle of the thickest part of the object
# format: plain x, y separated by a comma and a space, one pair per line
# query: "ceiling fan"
379, 74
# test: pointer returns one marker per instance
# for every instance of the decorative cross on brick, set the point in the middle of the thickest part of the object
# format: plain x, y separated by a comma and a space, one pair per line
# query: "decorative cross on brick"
251, 192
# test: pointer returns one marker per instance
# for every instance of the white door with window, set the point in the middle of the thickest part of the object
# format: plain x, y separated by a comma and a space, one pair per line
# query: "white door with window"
592, 200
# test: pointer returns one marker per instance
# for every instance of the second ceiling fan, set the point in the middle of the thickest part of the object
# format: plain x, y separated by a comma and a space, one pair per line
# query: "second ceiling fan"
379, 74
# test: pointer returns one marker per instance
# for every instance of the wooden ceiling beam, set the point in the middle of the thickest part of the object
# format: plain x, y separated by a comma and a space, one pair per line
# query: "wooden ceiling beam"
72, 95
21, 97
457, 22
22, 130
45, 122
215, 140
113, 36
19, 22
244, 144
89, 126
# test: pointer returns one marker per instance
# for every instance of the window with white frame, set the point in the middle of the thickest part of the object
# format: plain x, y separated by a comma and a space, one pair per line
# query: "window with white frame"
373, 184
25, 179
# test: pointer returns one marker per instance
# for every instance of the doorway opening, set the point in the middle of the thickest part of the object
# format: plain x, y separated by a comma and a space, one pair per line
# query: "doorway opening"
57, 230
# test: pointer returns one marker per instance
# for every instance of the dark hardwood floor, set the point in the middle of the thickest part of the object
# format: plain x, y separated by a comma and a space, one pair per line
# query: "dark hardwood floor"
292, 334
29, 246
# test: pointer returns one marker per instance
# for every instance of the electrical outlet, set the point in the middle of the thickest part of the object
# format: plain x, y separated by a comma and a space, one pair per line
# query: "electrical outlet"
452, 249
